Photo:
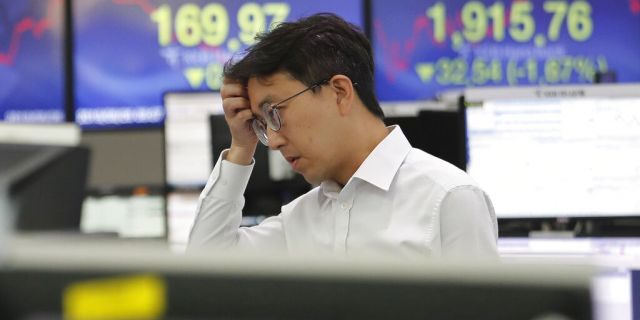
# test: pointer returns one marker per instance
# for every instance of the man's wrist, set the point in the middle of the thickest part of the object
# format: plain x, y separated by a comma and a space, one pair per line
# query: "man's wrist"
241, 155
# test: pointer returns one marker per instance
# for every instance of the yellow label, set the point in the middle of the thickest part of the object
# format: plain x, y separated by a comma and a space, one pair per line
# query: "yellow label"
132, 297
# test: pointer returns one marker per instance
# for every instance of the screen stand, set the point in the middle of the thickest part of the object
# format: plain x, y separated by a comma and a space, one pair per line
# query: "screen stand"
556, 234
557, 228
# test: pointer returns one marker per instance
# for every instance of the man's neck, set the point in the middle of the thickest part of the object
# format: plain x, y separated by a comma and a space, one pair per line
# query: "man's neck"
367, 136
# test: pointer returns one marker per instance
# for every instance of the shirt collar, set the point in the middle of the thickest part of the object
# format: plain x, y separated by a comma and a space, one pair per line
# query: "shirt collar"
382, 164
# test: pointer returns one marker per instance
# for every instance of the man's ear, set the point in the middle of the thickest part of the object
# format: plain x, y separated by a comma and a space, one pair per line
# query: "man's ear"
345, 93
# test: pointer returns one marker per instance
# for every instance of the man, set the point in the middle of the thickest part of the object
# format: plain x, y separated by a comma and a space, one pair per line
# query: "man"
306, 89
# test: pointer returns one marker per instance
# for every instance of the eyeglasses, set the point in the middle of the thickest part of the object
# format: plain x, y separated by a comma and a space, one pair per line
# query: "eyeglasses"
271, 114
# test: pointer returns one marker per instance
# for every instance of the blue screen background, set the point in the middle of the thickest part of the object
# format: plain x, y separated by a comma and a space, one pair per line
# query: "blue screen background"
31, 61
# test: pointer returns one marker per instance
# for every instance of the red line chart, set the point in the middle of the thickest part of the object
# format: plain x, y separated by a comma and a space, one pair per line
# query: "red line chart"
28, 24
145, 5
634, 5
393, 51
400, 52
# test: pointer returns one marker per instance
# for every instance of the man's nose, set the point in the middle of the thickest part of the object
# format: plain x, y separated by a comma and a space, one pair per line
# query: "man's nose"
276, 139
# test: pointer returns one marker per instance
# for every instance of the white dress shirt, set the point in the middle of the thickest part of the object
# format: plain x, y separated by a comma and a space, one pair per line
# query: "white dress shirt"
400, 201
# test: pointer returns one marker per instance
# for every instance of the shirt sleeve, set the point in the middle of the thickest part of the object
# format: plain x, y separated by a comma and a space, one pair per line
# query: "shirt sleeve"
219, 213
468, 224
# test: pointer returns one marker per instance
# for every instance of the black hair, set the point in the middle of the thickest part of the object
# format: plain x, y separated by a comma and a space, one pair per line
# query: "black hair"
312, 49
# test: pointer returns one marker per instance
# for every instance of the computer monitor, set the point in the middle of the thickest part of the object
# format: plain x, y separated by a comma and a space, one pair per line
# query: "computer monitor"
635, 293
44, 185
615, 258
128, 53
188, 158
440, 133
32, 70
557, 152
187, 138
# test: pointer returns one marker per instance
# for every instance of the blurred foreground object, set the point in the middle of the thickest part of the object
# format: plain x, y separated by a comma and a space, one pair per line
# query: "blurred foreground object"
42, 178
231, 285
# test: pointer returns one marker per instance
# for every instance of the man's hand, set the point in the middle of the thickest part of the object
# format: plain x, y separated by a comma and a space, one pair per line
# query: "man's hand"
237, 113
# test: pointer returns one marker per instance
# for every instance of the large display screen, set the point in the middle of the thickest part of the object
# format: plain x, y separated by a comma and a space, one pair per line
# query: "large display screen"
564, 151
128, 53
31, 61
425, 47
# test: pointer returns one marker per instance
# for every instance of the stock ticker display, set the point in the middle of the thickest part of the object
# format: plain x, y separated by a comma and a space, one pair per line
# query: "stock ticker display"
425, 47
31, 61
129, 52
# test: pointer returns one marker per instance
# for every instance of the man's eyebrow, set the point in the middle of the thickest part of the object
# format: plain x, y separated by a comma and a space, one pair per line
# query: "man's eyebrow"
266, 100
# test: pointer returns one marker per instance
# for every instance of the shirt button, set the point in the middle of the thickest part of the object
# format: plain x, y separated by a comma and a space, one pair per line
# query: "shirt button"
343, 206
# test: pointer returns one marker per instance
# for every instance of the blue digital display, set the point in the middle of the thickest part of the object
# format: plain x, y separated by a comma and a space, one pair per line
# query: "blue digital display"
635, 294
128, 53
31, 61
424, 47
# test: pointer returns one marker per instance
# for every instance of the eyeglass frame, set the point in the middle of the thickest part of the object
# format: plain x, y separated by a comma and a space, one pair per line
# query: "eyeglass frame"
260, 126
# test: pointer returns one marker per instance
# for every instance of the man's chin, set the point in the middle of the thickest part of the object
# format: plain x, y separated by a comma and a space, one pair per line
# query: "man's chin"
314, 181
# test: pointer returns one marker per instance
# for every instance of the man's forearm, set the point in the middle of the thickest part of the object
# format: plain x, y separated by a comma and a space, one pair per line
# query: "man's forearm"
219, 211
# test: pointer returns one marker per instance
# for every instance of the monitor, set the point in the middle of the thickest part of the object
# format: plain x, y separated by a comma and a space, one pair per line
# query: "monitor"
635, 293
615, 258
32, 71
44, 185
556, 152
188, 157
138, 213
424, 47
187, 138
439, 132
128, 53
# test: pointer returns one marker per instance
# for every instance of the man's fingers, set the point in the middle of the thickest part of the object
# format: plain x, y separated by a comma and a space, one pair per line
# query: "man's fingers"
244, 115
234, 105
233, 88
